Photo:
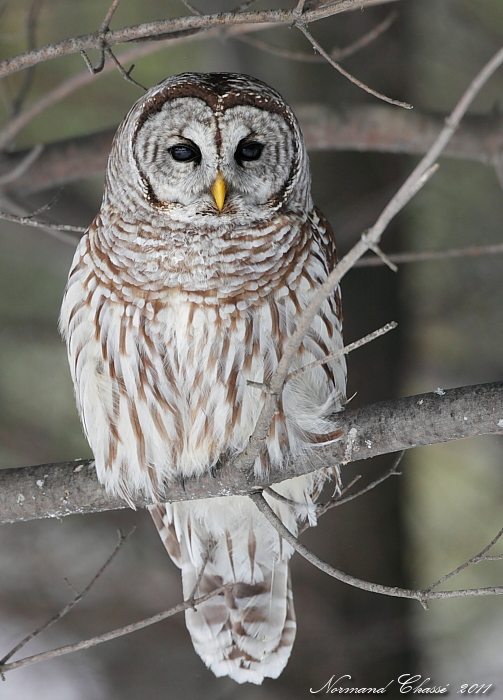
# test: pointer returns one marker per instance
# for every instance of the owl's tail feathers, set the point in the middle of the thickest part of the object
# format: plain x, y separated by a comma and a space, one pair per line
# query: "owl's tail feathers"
245, 632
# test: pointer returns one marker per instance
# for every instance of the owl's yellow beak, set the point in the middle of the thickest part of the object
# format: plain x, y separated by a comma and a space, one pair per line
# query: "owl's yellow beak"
219, 190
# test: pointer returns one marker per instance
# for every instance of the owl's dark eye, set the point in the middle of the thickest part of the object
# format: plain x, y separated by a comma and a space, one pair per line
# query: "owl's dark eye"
185, 153
248, 150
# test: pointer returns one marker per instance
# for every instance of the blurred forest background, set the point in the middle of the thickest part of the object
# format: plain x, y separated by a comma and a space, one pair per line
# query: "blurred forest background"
409, 531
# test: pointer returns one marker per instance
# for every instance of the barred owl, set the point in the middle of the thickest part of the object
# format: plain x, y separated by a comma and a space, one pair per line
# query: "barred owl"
188, 283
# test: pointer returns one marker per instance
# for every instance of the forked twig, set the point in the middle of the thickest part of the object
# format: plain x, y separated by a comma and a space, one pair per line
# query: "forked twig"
338, 500
103, 46
71, 604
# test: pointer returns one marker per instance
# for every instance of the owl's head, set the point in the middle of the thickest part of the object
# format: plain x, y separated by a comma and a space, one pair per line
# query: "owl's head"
214, 145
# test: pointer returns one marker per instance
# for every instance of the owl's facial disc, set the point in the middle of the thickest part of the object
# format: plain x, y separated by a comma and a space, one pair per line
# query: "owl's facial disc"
231, 162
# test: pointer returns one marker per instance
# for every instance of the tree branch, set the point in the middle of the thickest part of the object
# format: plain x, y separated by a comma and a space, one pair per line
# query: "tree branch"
56, 490
162, 28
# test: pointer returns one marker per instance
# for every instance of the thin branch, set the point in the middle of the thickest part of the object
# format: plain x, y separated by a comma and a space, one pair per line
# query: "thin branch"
22, 217
120, 632
171, 26
71, 604
375, 248
105, 25
345, 73
345, 350
421, 595
56, 490
29, 221
299, 8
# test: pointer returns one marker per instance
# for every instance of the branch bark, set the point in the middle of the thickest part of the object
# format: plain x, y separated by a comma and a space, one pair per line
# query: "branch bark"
365, 128
56, 490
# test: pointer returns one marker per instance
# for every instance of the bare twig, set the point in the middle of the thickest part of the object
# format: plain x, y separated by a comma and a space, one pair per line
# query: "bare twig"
103, 45
345, 350
120, 632
345, 73
190, 7
365, 40
375, 248
299, 9
340, 498
279, 497
31, 27
335, 54
126, 74
71, 604
421, 595
426, 256
105, 25
21, 217
481, 556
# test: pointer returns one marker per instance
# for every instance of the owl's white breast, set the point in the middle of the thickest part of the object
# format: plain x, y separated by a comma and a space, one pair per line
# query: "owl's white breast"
163, 388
